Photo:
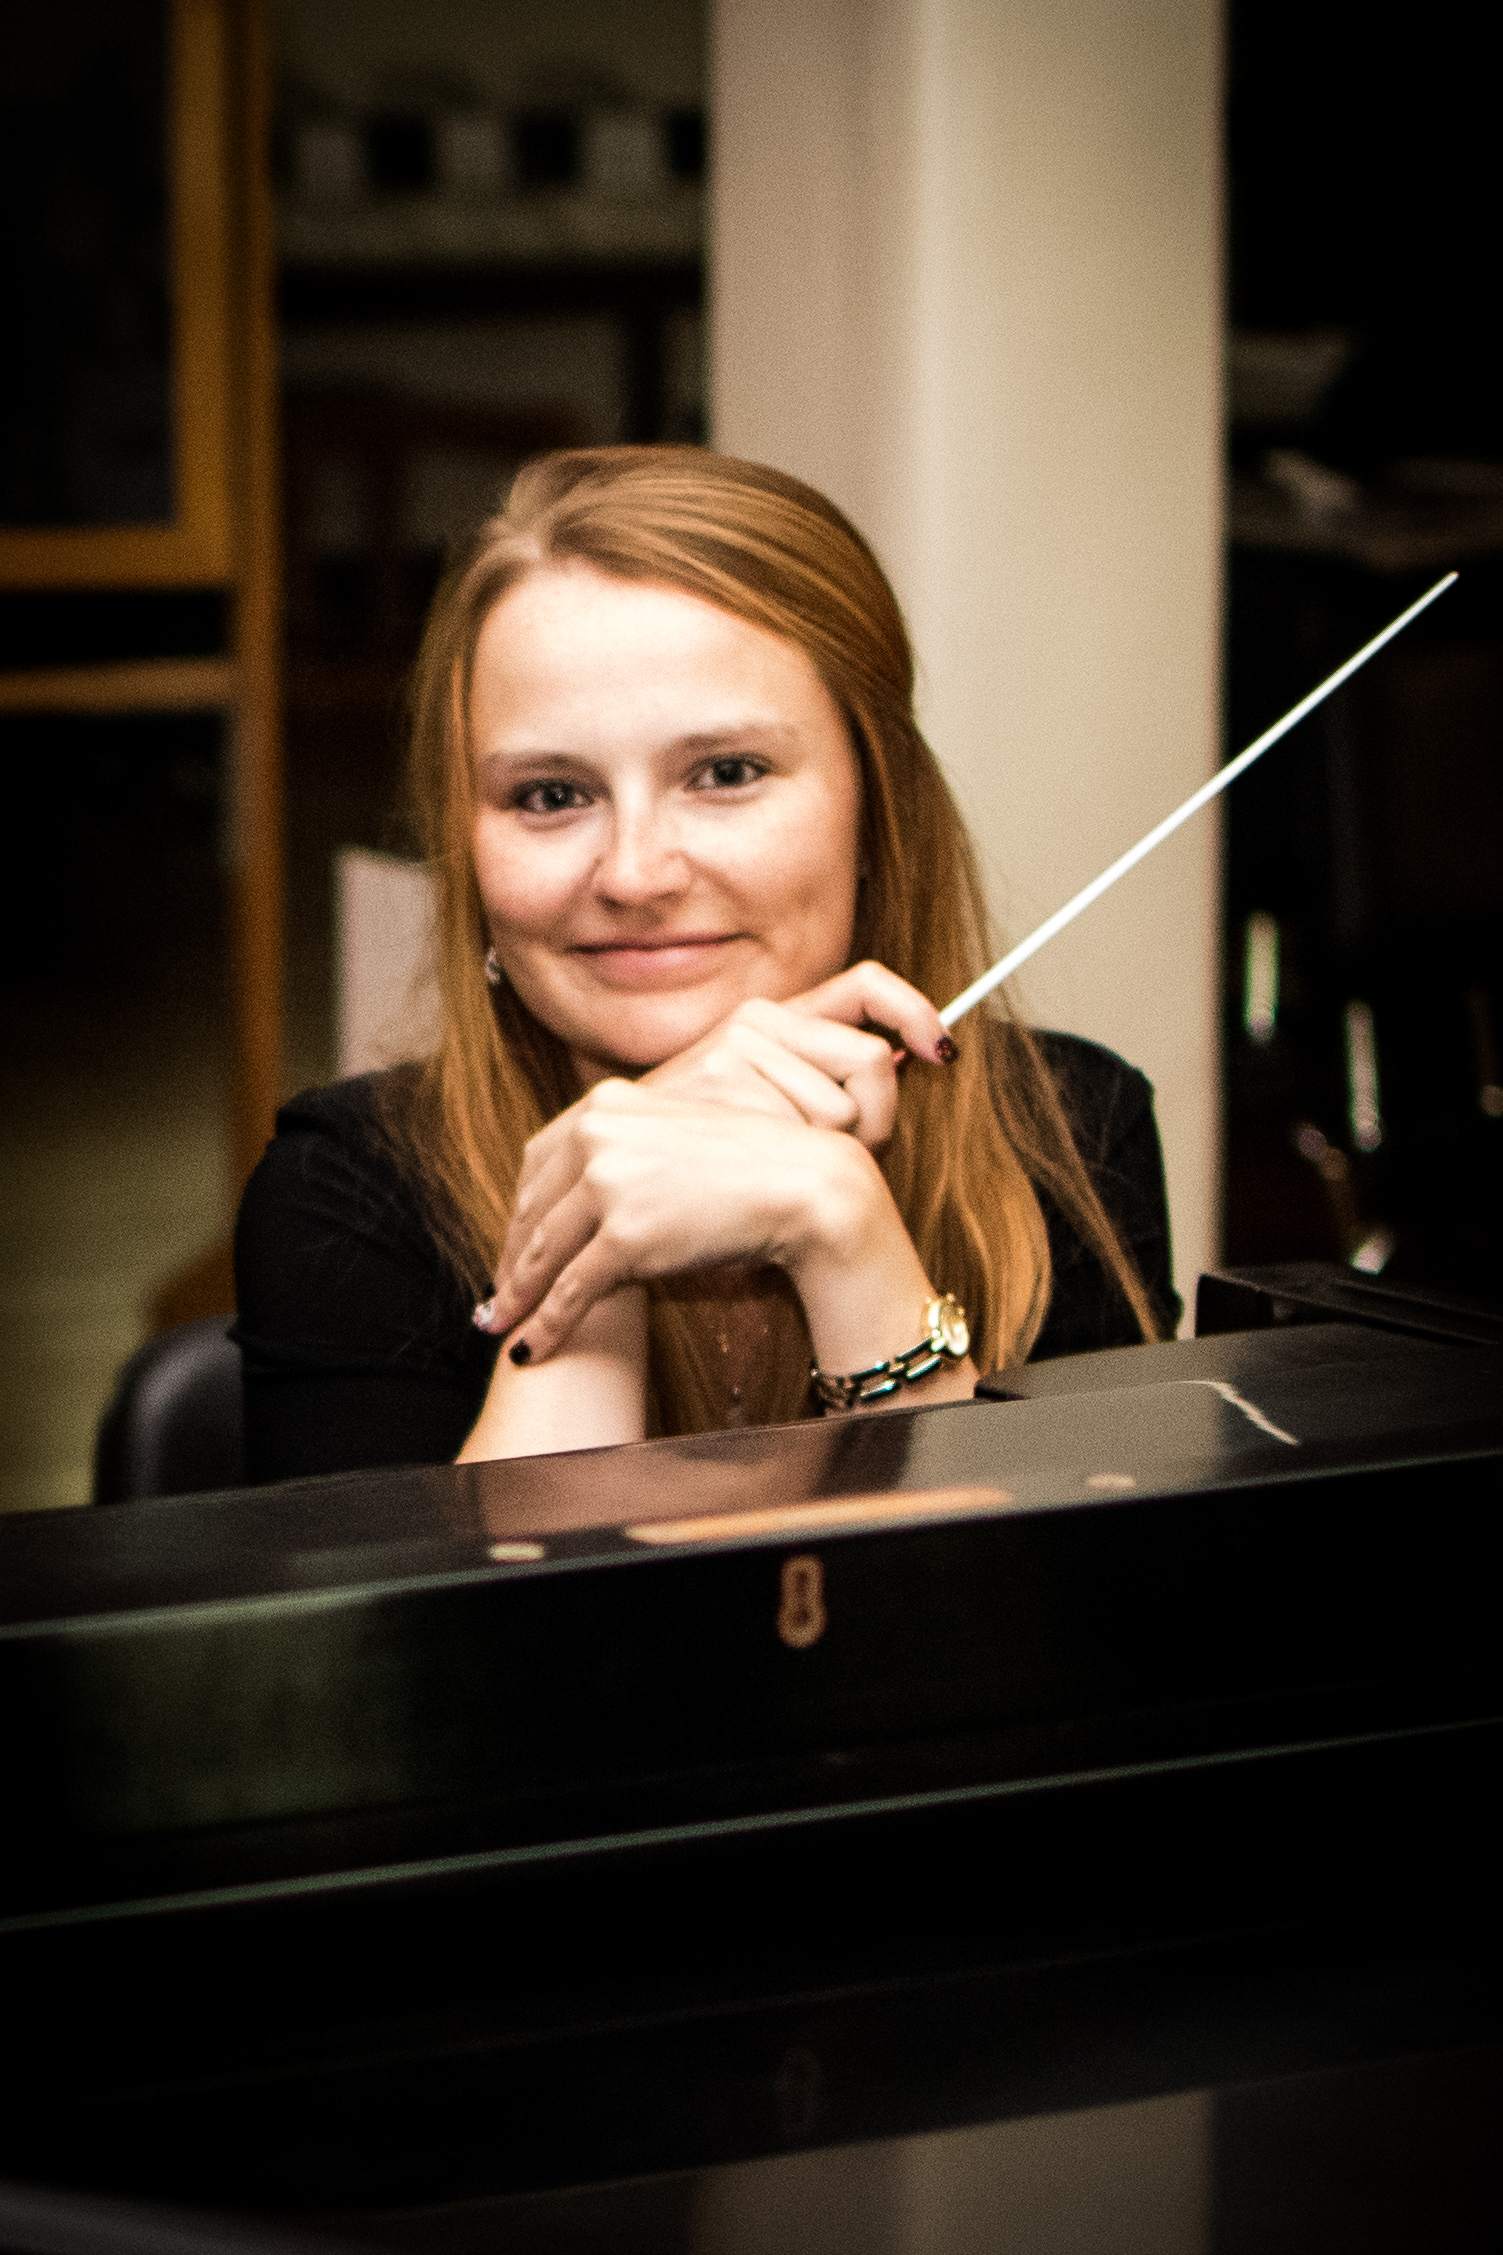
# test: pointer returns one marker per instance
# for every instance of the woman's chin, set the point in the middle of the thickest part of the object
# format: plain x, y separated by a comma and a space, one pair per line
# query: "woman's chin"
627, 1047
638, 1039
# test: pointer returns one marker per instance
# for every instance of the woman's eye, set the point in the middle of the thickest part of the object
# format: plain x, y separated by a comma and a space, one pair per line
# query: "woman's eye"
730, 774
549, 798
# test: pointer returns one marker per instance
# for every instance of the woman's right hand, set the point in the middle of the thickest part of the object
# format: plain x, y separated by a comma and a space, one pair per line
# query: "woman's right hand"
812, 1059
631, 1184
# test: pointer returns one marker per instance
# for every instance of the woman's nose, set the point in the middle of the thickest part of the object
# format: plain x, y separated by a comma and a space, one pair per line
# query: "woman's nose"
642, 861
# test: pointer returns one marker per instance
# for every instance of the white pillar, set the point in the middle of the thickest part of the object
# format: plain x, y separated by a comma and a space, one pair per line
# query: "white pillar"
965, 277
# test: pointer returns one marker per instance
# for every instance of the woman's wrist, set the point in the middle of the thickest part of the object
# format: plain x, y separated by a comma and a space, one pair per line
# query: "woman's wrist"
862, 1284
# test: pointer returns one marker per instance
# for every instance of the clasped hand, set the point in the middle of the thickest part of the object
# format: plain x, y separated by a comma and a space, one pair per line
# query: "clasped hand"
752, 1145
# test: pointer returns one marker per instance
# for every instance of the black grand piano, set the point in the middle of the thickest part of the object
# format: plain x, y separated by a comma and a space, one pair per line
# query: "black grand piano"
555, 1839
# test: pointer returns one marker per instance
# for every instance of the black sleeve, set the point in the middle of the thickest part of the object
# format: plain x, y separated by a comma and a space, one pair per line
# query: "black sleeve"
356, 1339
1110, 1107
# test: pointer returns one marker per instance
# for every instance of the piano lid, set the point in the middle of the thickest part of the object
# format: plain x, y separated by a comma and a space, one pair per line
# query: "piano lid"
1190, 1416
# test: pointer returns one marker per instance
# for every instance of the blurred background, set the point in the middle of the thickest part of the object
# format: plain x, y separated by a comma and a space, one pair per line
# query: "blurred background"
485, 229
1364, 878
347, 266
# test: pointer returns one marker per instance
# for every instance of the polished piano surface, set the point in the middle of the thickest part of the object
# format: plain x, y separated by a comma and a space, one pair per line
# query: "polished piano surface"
683, 1844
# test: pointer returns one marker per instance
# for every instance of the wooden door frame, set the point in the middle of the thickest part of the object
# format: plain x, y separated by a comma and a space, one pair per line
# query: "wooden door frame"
196, 549
228, 533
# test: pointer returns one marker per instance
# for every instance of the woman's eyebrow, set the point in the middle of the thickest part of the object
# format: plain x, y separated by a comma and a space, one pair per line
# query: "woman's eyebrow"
744, 732
499, 763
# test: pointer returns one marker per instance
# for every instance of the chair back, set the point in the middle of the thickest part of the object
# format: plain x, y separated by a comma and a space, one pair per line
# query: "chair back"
176, 1422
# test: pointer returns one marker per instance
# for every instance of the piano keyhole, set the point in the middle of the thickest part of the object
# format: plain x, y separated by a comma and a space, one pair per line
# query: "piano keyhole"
801, 1614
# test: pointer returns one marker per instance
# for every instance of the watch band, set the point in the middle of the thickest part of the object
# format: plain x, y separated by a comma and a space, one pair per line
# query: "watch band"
946, 1338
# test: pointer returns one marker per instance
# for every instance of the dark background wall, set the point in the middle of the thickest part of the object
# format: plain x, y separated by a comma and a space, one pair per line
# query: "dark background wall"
1363, 212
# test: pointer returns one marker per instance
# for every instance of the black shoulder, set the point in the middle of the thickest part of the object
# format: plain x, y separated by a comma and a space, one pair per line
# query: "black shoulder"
332, 1157
350, 1113
1104, 1097
1109, 1105
333, 1257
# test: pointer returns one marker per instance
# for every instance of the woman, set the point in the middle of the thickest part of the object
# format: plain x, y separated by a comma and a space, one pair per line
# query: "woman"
695, 865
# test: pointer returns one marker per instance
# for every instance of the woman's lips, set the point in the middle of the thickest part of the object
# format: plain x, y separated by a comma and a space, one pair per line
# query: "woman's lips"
657, 962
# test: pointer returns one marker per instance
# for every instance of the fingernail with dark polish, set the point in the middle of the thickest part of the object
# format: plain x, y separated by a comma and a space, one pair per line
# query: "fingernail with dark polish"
945, 1052
520, 1353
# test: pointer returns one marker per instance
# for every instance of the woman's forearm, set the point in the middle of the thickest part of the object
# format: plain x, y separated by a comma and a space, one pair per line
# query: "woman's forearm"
591, 1394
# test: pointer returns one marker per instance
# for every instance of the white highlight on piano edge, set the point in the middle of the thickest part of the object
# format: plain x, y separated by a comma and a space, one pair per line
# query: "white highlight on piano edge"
1250, 1410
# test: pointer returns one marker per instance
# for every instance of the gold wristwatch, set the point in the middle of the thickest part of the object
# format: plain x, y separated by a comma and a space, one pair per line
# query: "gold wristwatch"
946, 1338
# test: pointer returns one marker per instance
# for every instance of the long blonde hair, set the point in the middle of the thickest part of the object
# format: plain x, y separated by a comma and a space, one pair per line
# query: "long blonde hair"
970, 1143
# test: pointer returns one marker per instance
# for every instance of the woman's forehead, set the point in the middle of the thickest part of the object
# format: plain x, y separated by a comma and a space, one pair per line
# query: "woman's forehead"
569, 594
567, 637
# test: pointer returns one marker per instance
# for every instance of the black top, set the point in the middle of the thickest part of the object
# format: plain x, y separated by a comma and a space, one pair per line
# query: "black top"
356, 1335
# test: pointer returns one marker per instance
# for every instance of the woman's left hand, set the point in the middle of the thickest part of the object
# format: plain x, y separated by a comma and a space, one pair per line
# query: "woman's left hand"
812, 1059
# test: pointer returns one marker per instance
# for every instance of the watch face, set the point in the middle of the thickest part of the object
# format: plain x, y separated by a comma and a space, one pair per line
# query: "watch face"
950, 1329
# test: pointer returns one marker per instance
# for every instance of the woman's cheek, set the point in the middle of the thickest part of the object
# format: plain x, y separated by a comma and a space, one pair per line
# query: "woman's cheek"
526, 891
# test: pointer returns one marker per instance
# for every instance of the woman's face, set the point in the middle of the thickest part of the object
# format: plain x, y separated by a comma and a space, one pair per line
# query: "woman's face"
668, 814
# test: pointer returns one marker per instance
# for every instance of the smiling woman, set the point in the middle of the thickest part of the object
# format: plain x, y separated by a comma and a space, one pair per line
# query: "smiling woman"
694, 1134
668, 814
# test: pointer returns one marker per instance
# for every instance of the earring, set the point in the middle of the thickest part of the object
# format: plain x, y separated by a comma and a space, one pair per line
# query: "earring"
493, 971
